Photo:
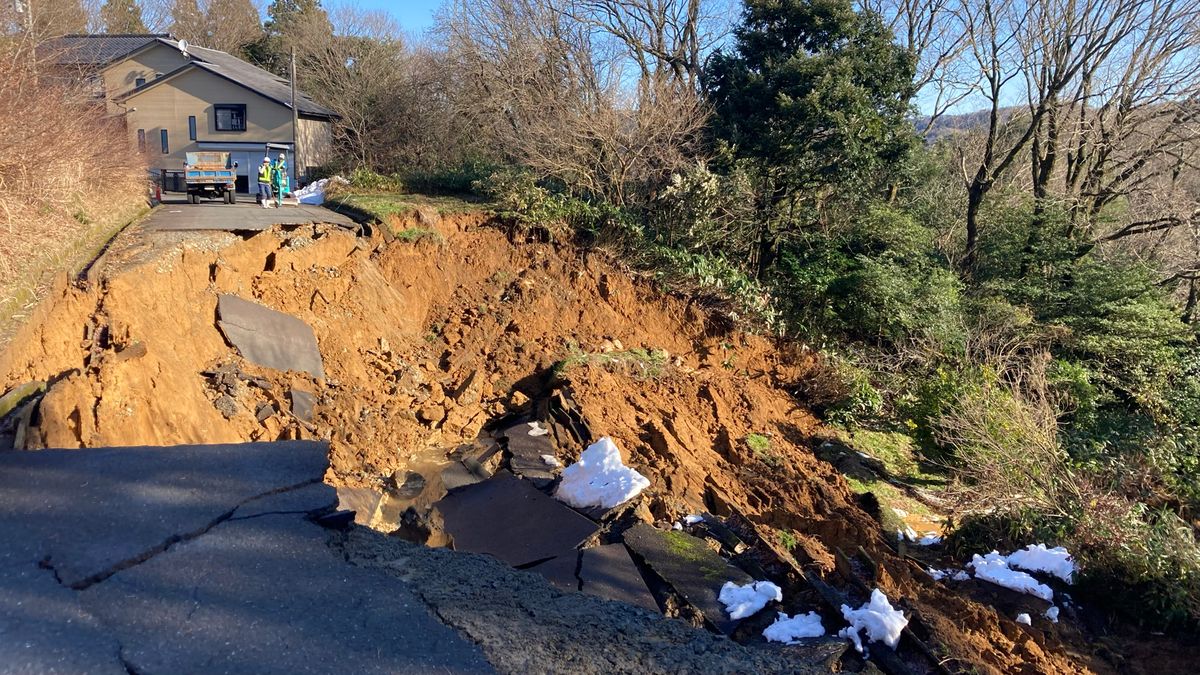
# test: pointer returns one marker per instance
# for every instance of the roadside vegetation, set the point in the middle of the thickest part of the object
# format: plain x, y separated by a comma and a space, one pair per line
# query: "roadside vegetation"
68, 179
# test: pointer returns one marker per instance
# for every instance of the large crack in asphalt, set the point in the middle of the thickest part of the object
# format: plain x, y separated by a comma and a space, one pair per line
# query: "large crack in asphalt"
174, 539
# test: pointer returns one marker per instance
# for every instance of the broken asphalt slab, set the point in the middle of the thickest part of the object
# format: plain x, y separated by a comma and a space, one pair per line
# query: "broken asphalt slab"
195, 559
267, 595
269, 338
695, 571
85, 513
510, 519
525, 625
609, 572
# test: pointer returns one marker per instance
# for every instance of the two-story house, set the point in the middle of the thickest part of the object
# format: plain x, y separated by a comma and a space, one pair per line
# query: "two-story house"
177, 98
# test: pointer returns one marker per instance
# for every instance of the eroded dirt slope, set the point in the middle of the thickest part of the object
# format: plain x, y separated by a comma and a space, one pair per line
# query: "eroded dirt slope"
426, 342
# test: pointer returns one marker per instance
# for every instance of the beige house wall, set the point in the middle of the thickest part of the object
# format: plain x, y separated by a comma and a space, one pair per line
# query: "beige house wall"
194, 92
121, 76
315, 140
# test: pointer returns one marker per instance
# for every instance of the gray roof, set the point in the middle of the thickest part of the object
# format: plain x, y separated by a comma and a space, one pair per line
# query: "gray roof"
254, 78
97, 49
102, 49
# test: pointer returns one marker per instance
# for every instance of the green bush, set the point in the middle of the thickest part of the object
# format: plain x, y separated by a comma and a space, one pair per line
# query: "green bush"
878, 279
365, 179
454, 179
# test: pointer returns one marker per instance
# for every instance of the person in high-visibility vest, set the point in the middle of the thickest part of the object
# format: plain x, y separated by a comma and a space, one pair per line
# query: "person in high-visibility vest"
264, 182
279, 178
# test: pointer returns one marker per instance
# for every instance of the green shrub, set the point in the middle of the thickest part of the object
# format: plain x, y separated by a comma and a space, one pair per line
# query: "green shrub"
365, 179
878, 279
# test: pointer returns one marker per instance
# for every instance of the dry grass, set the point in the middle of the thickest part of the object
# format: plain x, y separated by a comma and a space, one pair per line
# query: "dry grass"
68, 173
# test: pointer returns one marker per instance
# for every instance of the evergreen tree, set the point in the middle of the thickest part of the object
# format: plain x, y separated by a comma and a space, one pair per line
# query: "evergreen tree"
299, 24
814, 98
122, 16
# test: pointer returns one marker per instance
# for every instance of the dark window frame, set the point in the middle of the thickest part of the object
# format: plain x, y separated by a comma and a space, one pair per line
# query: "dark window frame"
191, 127
166, 147
139, 82
236, 110
141, 136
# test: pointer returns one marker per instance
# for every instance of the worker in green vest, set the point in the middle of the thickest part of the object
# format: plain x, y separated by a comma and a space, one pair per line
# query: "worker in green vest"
279, 178
264, 182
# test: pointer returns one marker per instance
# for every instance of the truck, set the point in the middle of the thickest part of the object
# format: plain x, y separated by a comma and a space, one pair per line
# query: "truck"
210, 175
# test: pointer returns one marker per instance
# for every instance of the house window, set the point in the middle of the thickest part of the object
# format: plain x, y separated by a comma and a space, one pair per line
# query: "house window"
192, 127
230, 117
141, 140
166, 148
139, 82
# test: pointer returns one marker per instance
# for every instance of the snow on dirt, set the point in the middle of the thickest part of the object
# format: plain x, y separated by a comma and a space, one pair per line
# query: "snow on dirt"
789, 630
743, 601
1025, 619
1052, 614
1038, 558
877, 617
600, 478
994, 568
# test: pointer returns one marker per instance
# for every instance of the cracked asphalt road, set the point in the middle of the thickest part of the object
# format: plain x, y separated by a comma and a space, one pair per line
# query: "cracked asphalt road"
196, 559
203, 559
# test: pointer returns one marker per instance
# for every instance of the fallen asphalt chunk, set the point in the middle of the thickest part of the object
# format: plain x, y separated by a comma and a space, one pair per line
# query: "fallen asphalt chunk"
510, 519
268, 595
609, 572
84, 513
695, 571
560, 571
269, 338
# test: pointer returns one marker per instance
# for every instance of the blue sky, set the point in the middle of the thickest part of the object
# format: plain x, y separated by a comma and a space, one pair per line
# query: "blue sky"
415, 16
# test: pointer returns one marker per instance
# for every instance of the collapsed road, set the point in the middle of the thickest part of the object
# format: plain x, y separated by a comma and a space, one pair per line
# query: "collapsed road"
438, 386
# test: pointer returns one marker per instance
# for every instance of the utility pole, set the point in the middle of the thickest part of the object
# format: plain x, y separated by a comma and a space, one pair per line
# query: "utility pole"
295, 122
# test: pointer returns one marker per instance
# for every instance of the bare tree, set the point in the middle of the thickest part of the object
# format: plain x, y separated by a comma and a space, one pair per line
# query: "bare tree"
547, 90
664, 38
934, 32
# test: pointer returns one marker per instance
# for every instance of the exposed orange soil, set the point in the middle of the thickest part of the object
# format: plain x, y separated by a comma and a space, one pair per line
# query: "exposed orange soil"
425, 342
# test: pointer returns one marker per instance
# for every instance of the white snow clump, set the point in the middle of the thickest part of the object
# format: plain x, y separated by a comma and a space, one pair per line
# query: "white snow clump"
789, 630
882, 623
743, 601
994, 568
1038, 558
600, 478
1024, 618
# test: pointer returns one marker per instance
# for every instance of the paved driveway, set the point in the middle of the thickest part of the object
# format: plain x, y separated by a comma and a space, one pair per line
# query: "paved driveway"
177, 214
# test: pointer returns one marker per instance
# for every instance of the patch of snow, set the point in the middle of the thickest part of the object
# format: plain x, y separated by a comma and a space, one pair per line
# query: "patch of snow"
743, 601
692, 520
1038, 558
961, 575
1052, 614
910, 534
789, 630
551, 460
882, 623
600, 478
937, 574
536, 429
677, 526
994, 568
930, 539
1024, 618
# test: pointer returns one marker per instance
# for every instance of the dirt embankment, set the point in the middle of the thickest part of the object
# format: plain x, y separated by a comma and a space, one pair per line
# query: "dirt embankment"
426, 342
